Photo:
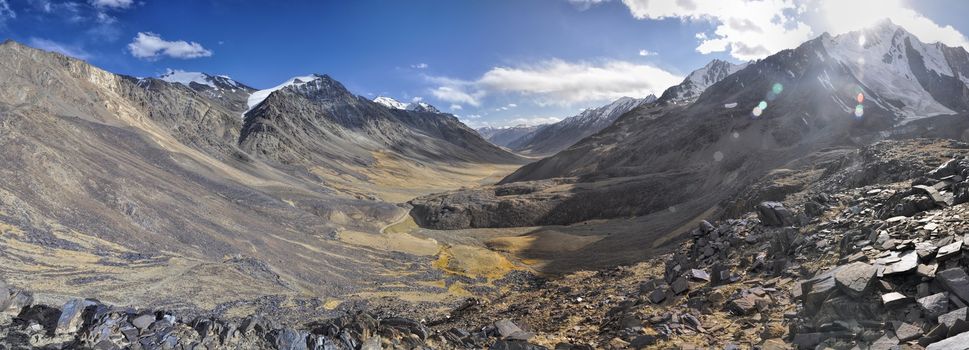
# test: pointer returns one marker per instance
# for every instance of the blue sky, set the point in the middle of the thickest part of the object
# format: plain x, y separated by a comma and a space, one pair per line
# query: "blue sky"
495, 62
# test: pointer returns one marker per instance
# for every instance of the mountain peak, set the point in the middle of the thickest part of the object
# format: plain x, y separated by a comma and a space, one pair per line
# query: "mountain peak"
422, 107
699, 80
213, 81
390, 102
314, 84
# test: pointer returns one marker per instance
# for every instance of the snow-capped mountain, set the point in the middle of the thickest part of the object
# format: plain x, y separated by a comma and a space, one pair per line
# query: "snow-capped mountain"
257, 97
556, 137
212, 81
422, 107
699, 80
390, 102
221, 88
906, 76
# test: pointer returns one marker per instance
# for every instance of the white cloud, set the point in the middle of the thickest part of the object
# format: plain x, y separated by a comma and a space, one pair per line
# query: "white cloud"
149, 45
457, 94
583, 5
753, 29
6, 12
67, 50
557, 82
416, 99
456, 107
839, 17
748, 29
645, 52
114, 4
419, 66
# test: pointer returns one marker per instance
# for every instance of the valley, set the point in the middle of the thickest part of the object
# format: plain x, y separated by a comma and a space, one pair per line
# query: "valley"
808, 199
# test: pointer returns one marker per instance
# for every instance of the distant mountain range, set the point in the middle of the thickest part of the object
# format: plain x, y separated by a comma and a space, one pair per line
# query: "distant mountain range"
503, 136
551, 138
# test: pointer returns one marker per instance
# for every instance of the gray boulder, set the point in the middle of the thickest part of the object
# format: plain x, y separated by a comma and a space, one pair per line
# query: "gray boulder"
775, 214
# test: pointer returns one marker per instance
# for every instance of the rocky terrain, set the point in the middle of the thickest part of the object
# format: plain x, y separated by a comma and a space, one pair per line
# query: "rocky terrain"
871, 255
801, 201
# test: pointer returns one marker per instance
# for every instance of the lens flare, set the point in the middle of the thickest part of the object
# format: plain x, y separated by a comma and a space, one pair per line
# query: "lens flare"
860, 98
762, 105
777, 88
859, 111
757, 111
717, 156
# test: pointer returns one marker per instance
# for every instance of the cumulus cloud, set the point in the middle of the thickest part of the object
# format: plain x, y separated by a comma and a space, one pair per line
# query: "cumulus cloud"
456, 107
64, 49
645, 52
748, 29
558, 82
147, 45
419, 66
566, 83
114, 4
753, 29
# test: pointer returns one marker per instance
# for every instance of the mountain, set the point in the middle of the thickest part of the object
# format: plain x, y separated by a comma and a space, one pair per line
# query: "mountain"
158, 189
699, 80
314, 121
422, 107
910, 78
679, 161
555, 137
502, 136
228, 92
390, 102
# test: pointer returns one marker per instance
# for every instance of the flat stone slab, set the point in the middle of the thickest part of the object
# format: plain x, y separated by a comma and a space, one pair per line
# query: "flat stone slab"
908, 331
894, 299
950, 318
907, 261
958, 342
949, 250
855, 279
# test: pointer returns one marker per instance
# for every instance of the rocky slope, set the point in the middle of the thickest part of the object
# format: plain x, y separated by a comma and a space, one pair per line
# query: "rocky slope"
318, 122
791, 106
550, 139
139, 192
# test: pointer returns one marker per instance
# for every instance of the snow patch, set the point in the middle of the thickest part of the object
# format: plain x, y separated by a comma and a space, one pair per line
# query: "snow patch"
390, 102
257, 97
